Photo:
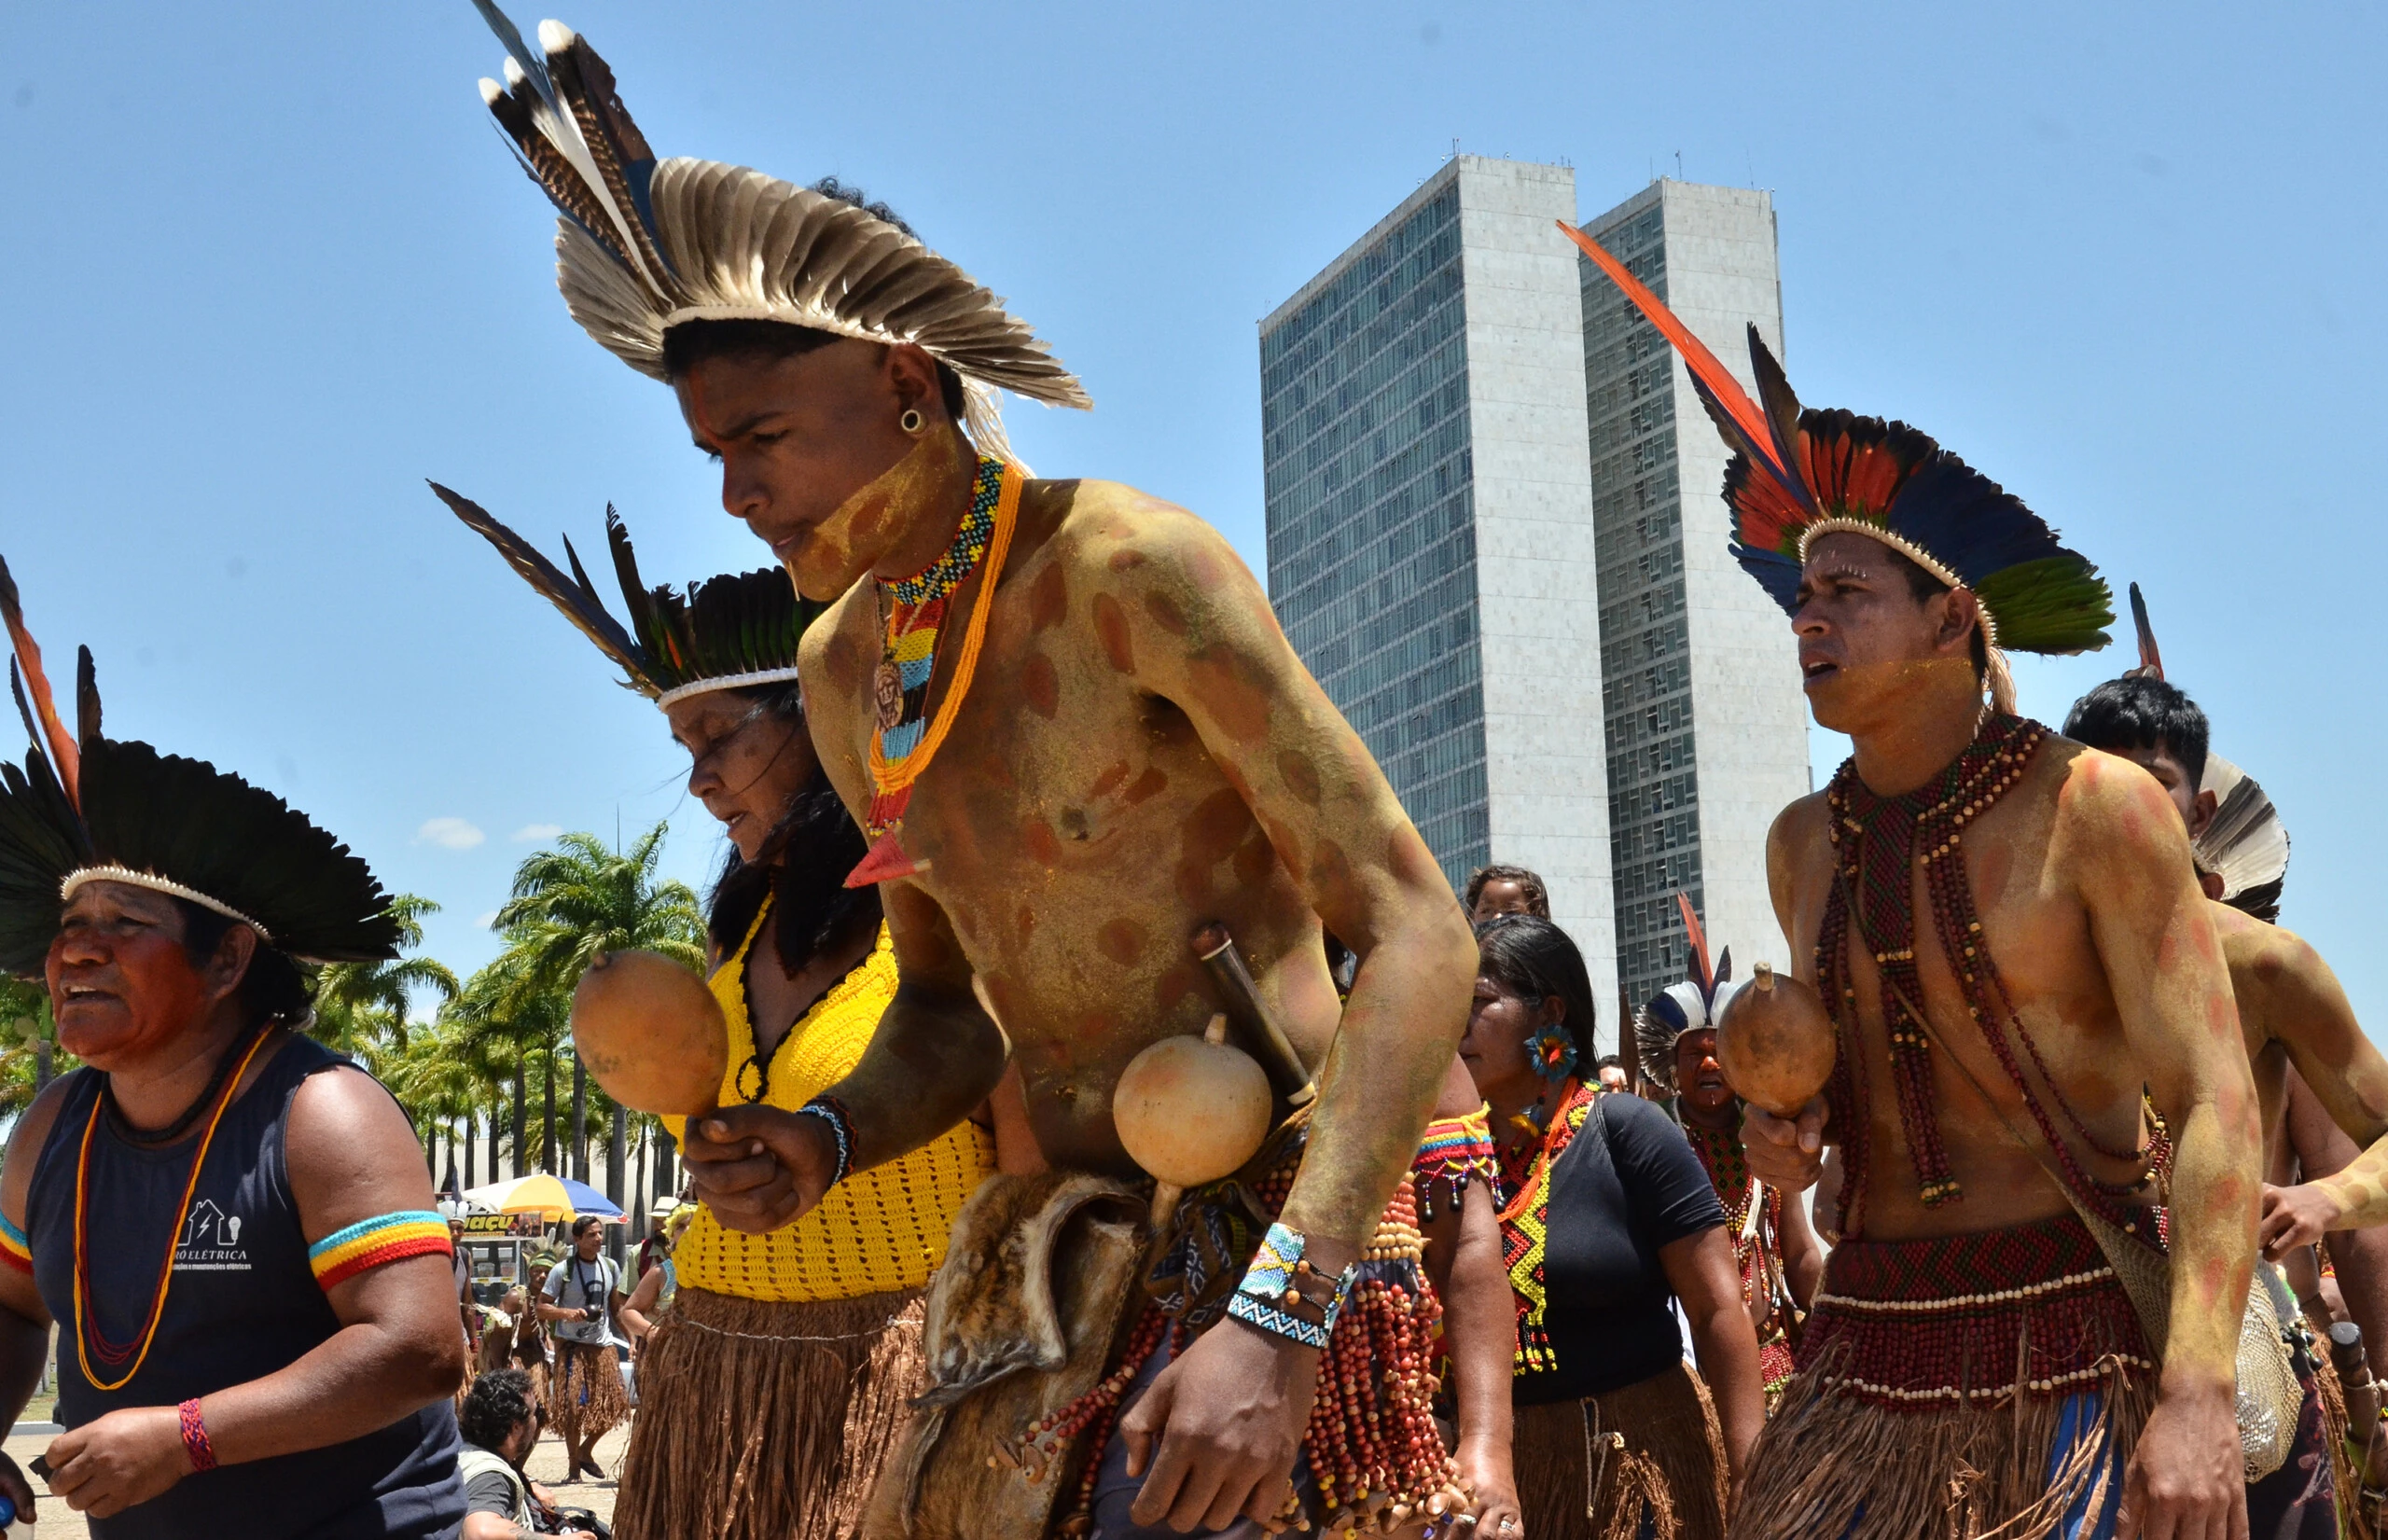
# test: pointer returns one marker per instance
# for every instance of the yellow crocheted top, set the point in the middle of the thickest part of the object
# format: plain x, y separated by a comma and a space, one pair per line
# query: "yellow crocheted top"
881, 1228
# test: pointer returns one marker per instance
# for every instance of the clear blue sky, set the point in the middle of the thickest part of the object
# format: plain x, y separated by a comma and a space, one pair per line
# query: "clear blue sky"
268, 266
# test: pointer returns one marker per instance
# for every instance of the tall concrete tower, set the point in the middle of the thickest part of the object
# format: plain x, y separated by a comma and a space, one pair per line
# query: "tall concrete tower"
1431, 533
1706, 726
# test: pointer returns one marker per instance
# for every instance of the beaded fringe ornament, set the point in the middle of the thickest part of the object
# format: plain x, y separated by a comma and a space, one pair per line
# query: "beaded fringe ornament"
1371, 1442
1878, 842
1525, 1232
1453, 1153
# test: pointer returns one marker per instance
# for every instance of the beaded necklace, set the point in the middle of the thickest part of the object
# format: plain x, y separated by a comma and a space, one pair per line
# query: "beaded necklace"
90, 1340
913, 612
1878, 842
1525, 1229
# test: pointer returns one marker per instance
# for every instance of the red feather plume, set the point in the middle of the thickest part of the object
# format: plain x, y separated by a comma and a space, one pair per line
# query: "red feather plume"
1706, 977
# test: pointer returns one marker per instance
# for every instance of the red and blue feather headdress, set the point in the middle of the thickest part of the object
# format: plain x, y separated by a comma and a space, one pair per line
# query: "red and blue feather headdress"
1798, 474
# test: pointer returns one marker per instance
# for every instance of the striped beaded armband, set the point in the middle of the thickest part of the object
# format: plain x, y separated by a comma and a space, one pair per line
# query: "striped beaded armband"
1454, 1152
195, 1444
374, 1243
1274, 1282
841, 1127
15, 1250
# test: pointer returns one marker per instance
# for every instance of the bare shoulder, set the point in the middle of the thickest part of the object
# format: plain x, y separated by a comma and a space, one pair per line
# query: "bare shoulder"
2104, 801
2264, 955
343, 1123
1800, 833
1119, 537
837, 651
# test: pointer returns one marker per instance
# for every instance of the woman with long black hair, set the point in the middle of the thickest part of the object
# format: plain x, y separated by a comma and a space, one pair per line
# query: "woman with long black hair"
769, 1395
1607, 1219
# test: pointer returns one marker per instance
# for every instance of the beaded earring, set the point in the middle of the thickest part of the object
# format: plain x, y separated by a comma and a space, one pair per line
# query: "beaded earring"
1553, 1051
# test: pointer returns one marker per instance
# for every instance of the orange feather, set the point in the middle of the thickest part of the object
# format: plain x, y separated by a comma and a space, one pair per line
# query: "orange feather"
1696, 357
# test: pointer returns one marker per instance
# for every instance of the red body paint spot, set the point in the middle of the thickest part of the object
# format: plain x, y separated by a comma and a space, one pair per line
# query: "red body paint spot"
1108, 782
1173, 986
1239, 707
1025, 924
1121, 940
1049, 598
1148, 785
1043, 846
1111, 629
1165, 613
1040, 686
1215, 827
1125, 561
1301, 775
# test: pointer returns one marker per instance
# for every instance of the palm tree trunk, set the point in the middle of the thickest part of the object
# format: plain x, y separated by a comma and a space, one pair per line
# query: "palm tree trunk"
579, 1121
548, 1148
522, 1118
42, 1071
665, 1180
469, 1120
616, 1159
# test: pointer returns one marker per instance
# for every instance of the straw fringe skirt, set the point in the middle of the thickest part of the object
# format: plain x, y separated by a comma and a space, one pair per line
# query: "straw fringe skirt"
1835, 1464
1593, 1469
767, 1421
585, 1396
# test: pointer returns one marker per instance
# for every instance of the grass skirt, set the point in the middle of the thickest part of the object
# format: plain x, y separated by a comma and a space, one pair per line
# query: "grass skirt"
1596, 1470
585, 1396
762, 1421
1955, 1389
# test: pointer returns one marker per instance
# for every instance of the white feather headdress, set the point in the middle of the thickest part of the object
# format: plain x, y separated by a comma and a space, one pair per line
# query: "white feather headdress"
644, 245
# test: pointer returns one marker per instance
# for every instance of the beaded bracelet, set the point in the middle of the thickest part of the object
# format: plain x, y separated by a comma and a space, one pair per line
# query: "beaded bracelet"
195, 1444
841, 1127
1274, 1282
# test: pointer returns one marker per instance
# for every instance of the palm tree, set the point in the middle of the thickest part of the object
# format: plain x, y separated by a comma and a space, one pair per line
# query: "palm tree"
578, 899
506, 1017
30, 1035
361, 1009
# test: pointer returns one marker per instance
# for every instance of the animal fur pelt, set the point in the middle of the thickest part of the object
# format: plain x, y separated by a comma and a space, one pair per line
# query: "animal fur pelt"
1022, 1319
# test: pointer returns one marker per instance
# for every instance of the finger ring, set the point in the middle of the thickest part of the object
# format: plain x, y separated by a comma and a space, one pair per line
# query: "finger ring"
1507, 1523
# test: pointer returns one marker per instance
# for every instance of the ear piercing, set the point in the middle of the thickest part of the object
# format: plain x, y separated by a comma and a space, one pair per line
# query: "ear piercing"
912, 421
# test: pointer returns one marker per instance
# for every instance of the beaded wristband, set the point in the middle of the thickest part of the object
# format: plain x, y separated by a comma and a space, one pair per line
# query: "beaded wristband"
1273, 1281
195, 1444
841, 1127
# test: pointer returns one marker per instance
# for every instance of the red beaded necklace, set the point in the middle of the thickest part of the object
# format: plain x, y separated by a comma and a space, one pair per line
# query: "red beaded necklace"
1878, 842
90, 1341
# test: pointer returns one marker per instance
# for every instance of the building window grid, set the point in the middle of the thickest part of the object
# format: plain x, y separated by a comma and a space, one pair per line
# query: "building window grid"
1370, 515
1654, 816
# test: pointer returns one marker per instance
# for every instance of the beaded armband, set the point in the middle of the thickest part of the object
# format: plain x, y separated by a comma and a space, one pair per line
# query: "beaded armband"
841, 1129
375, 1242
195, 1444
1274, 1285
1454, 1152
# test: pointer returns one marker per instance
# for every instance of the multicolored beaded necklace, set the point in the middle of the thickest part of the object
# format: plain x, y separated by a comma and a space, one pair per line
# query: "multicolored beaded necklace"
1878, 842
1525, 1226
90, 1341
913, 614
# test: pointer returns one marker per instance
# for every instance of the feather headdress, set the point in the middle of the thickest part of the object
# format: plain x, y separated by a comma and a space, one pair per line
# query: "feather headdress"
1683, 1007
643, 245
87, 807
2244, 844
1798, 473
727, 632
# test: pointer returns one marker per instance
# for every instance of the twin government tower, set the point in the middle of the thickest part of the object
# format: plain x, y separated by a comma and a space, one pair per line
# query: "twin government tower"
1495, 535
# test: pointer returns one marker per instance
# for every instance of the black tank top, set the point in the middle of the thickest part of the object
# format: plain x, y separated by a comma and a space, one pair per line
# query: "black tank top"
243, 1303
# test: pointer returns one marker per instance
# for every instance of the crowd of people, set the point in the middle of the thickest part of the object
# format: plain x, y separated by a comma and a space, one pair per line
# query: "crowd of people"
1022, 783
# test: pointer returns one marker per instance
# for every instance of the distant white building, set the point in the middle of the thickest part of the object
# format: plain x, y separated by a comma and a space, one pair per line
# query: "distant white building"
1548, 649
1707, 727
1431, 548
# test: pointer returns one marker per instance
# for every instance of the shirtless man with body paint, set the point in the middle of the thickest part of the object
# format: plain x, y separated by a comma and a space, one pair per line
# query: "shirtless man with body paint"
1139, 753
2088, 902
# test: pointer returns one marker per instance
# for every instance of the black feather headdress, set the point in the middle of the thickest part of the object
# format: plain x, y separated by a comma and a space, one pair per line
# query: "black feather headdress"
725, 633
643, 245
87, 807
2244, 844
